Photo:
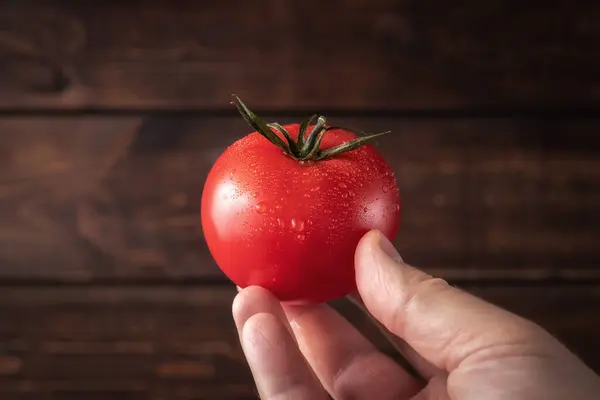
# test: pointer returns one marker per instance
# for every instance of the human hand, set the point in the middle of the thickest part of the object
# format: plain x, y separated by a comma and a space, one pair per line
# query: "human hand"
463, 347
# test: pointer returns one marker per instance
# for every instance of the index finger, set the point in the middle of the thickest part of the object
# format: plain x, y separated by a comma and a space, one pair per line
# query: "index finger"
278, 366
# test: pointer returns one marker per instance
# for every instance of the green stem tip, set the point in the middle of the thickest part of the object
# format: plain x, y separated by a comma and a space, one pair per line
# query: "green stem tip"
305, 147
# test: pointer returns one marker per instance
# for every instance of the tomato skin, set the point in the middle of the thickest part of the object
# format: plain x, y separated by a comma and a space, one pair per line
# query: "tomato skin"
292, 227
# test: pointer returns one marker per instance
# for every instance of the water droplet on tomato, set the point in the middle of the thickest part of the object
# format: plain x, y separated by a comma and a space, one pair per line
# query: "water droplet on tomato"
301, 237
261, 207
385, 188
342, 185
278, 206
365, 209
344, 195
307, 195
280, 223
396, 207
297, 225
316, 188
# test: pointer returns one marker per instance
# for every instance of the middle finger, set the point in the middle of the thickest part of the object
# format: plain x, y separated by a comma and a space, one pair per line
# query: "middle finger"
348, 365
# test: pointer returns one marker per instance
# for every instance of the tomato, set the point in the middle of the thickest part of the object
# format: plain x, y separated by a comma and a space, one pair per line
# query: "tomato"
275, 217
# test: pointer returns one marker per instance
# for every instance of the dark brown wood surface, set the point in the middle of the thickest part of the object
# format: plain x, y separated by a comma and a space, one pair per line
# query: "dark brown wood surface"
112, 198
112, 113
180, 342
285, 54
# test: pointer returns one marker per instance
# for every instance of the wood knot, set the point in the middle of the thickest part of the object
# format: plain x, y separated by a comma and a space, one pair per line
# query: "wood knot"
58, 82
39, 55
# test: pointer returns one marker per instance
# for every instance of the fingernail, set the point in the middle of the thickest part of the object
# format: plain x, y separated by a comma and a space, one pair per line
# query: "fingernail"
388, 248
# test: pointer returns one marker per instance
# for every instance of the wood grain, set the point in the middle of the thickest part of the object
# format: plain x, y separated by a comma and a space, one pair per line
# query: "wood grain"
49, 165
286, 54
180, 342
100, 198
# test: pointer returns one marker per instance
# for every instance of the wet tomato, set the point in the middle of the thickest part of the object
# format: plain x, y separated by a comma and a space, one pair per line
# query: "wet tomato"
285, 206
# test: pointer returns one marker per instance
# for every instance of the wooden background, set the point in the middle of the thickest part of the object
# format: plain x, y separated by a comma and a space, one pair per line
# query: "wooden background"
112, 113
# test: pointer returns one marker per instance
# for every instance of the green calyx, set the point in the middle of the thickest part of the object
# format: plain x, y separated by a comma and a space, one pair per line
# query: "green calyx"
306, 147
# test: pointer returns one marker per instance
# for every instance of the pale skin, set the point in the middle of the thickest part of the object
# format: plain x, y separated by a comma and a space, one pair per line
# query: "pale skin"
463, 347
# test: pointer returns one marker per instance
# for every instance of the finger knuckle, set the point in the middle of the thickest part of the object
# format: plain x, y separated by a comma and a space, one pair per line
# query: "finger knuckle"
415, 296
424, 291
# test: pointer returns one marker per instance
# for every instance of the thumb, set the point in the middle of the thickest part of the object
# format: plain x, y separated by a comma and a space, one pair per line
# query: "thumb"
443, 324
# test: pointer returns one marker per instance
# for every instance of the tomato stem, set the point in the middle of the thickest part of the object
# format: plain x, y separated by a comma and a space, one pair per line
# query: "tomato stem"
311, 147
305, 148
303, 126
292, 146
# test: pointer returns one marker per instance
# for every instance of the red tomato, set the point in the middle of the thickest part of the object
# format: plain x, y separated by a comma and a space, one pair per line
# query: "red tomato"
291, 225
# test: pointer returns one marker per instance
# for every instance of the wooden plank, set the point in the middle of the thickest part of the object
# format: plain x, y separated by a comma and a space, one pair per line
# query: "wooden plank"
128, 343
97, 198
48, 167
193, 350
282, 54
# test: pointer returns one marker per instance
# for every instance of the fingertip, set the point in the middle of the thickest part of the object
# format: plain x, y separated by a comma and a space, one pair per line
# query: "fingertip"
375, 240
378, 267
374, 254
362, 255
250, 301
237, 307
258, 328
368, 240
